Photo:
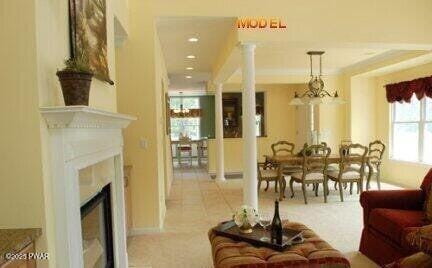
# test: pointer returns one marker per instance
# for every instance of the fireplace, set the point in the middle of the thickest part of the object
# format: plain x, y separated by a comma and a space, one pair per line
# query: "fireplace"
86, 186
96, 226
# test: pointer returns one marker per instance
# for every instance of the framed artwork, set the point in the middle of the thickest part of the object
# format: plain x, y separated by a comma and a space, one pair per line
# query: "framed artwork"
167, 114
89, 35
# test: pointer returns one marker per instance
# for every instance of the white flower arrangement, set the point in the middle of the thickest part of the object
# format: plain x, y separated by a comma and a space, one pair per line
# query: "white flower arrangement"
245, 218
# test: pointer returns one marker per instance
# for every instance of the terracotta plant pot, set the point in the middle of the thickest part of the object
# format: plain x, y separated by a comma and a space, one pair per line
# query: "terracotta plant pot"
75, 87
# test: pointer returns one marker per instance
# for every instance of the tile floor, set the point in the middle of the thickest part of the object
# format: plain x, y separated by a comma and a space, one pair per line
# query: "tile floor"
197, 203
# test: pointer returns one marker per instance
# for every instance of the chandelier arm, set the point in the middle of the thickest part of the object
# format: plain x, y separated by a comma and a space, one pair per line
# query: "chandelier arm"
324, 93
304, 94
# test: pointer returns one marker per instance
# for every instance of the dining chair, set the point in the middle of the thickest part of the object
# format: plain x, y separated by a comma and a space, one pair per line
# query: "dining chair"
267, 172
350, 155
314, 170
344, 142
184, 146
285, 148
376, 153
202, 150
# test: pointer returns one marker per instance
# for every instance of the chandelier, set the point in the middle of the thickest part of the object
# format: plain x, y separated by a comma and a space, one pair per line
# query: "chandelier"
181, 111
316, 94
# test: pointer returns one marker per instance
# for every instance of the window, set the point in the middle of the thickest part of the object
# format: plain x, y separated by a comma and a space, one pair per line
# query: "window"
412, 130
189, 126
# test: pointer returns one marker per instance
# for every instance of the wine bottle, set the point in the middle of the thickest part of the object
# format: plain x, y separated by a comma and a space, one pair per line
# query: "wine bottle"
276, 226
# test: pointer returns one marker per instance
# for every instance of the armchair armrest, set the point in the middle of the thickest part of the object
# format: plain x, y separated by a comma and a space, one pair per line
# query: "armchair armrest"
395, 199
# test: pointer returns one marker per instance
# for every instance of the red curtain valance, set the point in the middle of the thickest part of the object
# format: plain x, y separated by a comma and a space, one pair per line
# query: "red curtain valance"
403, 91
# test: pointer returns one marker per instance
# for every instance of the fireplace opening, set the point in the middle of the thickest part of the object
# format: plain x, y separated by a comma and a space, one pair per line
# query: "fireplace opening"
97, 234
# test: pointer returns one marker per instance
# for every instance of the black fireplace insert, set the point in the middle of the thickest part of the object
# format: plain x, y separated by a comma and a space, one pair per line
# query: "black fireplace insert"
96, 223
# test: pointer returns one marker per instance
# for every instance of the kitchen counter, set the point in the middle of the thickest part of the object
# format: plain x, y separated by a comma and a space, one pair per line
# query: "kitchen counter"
15, 240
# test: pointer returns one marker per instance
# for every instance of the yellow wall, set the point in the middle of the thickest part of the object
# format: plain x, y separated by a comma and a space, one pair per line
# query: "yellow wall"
36, 42
399, 172
332, 118
53, 48
140, 72
280, 121
21, 191
363, 110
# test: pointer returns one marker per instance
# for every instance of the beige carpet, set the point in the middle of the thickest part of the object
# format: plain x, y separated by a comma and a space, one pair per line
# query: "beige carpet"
197, 203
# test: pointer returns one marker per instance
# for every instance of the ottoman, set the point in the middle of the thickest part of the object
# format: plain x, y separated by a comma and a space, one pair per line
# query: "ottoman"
314, 252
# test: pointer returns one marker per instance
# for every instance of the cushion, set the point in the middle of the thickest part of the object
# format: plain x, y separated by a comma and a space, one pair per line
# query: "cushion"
393, 223
427, 181
418, 260
350, 175
309, 177
428, 206
269, 173
366, 169
314, 252
421, 238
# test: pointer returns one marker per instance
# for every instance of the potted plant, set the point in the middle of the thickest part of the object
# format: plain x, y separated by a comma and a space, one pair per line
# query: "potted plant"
75, 80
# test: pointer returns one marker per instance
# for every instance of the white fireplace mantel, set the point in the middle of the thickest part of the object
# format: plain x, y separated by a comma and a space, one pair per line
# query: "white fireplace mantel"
83, 117
79, 137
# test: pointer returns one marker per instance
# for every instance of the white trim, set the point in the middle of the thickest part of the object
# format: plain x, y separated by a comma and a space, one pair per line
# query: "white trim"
226, 173
79, 137
144, 231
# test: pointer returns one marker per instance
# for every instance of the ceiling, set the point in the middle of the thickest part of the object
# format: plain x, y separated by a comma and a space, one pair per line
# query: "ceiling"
295, 60
271, 58
174, 33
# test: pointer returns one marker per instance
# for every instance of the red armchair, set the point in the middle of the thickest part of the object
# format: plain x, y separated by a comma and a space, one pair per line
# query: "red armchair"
388, 217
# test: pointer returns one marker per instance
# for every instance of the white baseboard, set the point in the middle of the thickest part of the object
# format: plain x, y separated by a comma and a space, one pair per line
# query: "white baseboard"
213, 172
143, 231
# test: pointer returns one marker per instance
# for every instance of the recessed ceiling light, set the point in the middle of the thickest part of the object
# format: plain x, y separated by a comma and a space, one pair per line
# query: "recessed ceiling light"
188, 76
193, 39
190, 56
189, 68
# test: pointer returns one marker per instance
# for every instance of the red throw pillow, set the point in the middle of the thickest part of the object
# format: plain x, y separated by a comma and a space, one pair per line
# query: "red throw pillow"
427, 181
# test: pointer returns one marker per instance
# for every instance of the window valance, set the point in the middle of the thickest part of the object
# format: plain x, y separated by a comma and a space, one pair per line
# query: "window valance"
403, 91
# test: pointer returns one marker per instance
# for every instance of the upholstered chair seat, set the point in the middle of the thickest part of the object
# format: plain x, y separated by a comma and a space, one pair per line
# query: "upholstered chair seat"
308, 177
347, 176
269, 173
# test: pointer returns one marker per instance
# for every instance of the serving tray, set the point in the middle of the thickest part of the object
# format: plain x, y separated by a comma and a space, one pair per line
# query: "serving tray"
229, 229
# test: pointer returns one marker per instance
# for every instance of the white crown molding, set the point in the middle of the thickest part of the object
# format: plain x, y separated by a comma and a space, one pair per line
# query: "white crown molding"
84, 117
289, 71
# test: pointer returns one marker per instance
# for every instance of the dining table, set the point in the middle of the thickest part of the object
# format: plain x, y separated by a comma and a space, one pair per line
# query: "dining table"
196, 142
283, 161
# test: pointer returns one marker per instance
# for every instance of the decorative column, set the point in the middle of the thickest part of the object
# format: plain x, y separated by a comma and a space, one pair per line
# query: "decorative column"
250, 194
220, 172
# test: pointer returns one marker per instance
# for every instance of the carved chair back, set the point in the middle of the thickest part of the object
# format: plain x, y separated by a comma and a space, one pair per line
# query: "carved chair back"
376, 152
315, 159
283, 148
356, 156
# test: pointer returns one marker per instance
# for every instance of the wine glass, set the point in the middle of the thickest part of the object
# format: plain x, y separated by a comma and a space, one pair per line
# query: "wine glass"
264, 221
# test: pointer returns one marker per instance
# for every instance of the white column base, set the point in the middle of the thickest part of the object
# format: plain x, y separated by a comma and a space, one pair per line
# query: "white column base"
220, 179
